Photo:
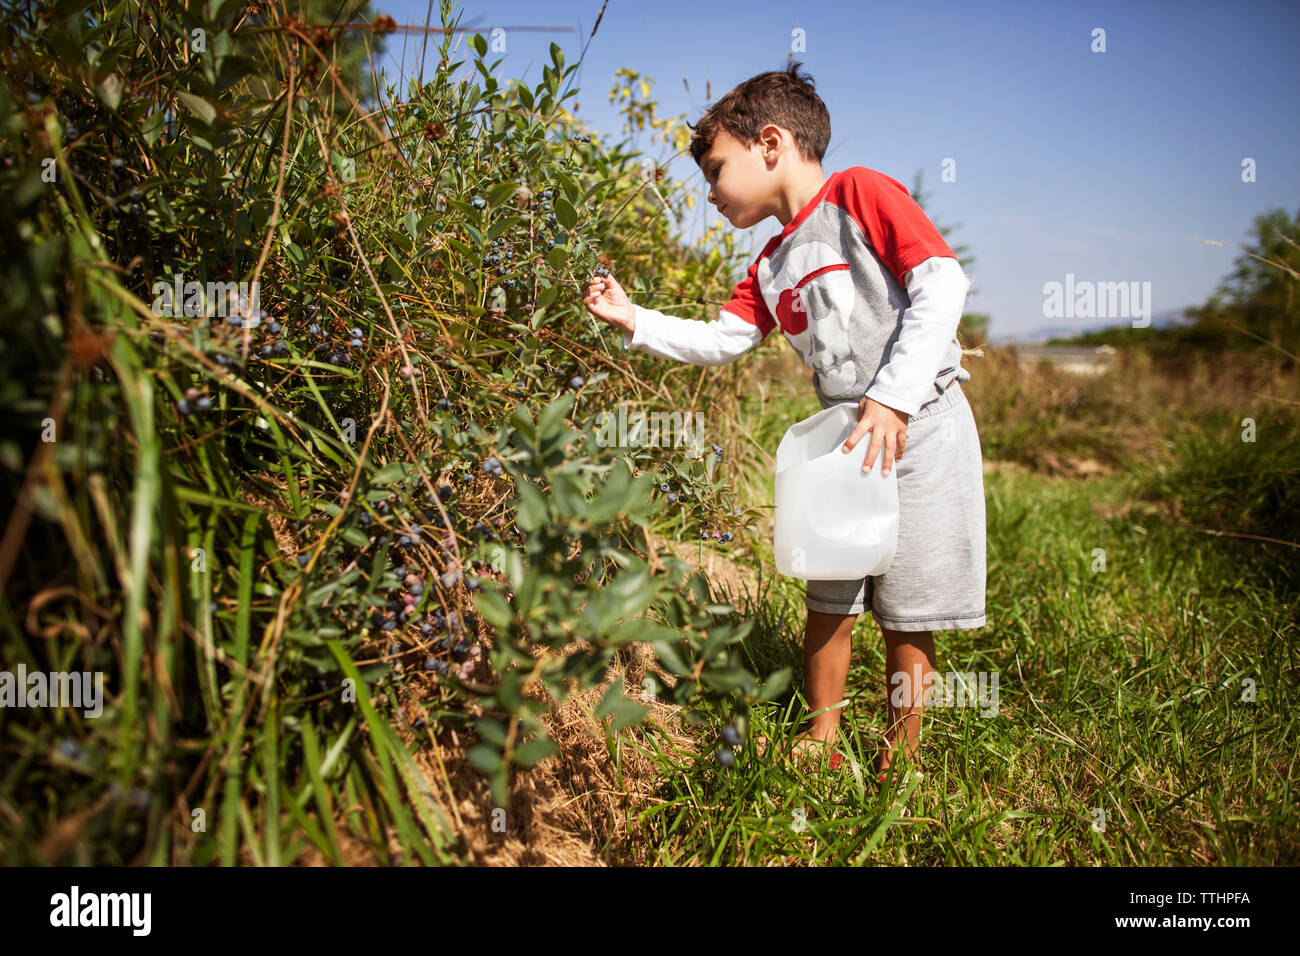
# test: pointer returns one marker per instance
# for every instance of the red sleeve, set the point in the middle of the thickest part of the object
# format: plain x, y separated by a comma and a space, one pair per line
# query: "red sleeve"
900, 231
747, 297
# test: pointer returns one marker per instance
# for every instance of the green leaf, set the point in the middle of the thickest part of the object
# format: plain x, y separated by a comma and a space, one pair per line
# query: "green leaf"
532, 751
355, 537
565, 213
775, 685
494, 609
201, 108
532, 506
670, 656
485, 757
491, 731
500, 194
392, 473
626, 712
109, 90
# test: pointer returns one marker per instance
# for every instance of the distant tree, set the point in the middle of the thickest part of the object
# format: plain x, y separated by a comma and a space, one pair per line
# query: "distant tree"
974, 326
1261, 296
333, 27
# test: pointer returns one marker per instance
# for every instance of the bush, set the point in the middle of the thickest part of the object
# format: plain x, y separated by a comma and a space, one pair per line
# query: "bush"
293, 430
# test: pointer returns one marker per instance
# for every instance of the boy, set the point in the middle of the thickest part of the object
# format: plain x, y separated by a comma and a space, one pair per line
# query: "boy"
869, 295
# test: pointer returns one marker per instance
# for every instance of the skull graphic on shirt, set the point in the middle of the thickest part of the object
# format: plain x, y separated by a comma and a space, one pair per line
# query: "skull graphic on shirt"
814, 311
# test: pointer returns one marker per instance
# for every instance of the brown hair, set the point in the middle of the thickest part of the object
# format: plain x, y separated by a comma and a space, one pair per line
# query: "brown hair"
784, 97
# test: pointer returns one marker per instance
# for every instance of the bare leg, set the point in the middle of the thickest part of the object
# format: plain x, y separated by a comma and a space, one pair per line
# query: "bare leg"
910, 653
827, 647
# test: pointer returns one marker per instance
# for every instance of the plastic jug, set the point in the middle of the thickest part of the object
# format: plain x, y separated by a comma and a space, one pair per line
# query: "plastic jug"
833, 521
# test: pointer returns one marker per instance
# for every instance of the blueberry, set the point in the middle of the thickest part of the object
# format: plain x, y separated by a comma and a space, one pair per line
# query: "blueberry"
449, 578
417, 588
418, 723
472, 583
394, 650
602, 271
664, 486
184, 406
274, 327
726, 536
704, 536
735, 511
576, 381
717, 449
466, 477
355, 343
444, 404
313, 329
267, 350
281, 348
388, 625
672, 498
731, 736
445, 492
492, 466
725, 757
303, 559
355, 333
204, 404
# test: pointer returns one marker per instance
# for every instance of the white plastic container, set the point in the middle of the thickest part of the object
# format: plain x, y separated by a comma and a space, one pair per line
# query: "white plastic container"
833, 521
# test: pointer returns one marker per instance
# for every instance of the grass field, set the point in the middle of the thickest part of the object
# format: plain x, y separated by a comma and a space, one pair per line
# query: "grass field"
1125, 730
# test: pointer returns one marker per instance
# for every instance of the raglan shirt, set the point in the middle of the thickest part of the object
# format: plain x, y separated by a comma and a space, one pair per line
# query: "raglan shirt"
836, 282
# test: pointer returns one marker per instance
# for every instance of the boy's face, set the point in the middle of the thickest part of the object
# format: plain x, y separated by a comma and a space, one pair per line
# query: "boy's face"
737, 175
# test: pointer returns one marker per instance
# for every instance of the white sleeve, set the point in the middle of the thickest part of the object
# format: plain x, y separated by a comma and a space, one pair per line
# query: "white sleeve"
688, 340
938, 290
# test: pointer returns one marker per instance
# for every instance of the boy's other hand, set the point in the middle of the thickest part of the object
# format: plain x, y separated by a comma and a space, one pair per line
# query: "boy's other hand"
888, 427
607, 300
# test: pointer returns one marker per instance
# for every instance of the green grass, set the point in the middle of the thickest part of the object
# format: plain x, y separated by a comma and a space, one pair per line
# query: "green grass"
1120, 693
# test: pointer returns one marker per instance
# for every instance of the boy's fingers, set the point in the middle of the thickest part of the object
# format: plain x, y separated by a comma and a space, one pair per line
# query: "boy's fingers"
889, 455
872, 450
860, 429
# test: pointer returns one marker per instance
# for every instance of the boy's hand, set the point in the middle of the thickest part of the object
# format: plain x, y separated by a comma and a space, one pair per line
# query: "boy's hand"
887, 426
607, 300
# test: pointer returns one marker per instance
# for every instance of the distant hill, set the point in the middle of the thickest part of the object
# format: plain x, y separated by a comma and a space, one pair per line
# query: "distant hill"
1160, 320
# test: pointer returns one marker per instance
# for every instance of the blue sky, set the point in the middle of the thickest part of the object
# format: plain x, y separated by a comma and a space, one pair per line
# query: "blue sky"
1110, 166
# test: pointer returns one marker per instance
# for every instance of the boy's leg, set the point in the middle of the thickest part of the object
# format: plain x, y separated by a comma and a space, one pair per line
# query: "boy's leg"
909, 654
827, 647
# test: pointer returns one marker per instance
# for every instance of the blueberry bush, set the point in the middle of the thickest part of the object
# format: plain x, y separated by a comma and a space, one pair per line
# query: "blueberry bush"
299, 407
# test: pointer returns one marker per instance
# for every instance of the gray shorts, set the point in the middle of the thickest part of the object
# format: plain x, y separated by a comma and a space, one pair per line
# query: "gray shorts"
936, 581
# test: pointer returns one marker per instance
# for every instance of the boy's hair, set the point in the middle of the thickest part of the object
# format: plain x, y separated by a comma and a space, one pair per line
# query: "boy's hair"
783, 97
